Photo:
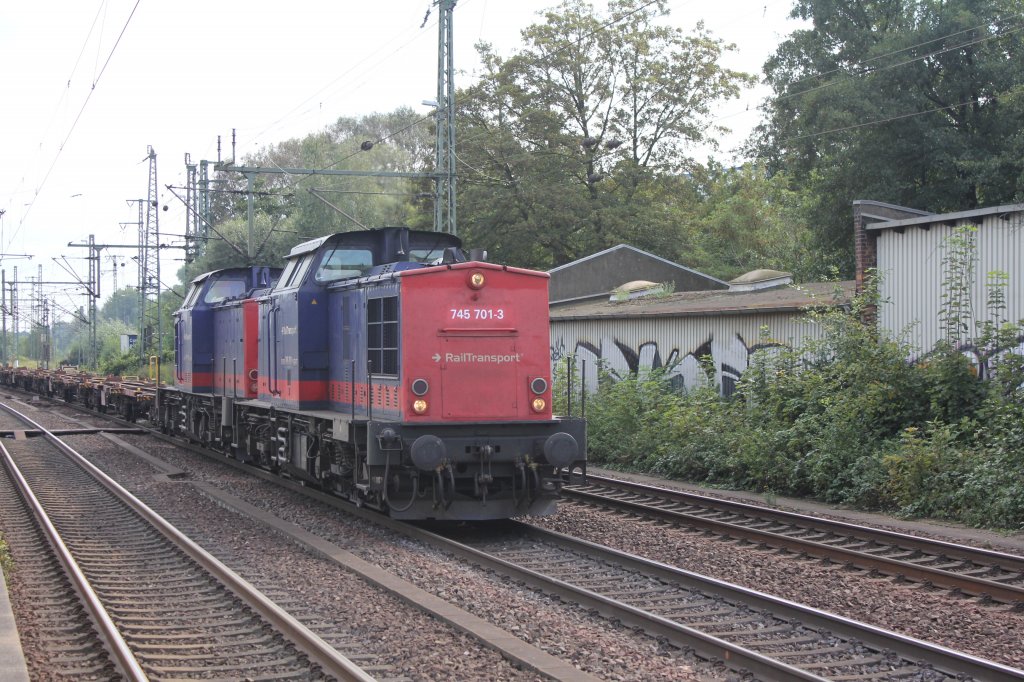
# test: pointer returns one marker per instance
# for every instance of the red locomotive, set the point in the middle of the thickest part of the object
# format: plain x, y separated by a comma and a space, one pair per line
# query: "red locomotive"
381, 365
388, 369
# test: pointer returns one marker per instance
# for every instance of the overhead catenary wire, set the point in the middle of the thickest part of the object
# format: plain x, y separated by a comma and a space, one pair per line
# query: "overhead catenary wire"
74, 124
65, 89
382, 53
180, 174
899, 117
872, 71
605, 25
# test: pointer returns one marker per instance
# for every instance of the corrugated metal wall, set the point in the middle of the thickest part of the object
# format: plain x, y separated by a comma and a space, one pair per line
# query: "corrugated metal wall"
629, 344
911, 265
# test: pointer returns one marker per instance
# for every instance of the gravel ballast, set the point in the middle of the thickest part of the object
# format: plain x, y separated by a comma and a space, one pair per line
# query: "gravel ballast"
373, 619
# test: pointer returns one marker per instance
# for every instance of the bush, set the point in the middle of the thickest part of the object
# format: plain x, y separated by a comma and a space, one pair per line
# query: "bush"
628, 418
992, 492
844, 419
697, 438
126, 363
952, 384
926, 470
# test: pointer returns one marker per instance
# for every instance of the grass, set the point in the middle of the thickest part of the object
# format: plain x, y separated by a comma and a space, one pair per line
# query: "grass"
6, 562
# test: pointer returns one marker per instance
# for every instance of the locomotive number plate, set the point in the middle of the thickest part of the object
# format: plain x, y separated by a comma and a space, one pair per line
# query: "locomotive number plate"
477, 313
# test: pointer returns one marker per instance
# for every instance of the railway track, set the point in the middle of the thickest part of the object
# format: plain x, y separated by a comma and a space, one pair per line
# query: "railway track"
157, 605
978, 572
520, 653
748, 631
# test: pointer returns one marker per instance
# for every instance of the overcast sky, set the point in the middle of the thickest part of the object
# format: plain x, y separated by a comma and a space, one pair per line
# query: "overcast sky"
88, 85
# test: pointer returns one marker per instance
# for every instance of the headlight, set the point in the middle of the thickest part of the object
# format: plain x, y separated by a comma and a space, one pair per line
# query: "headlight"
477, 280
539, 404
419, 406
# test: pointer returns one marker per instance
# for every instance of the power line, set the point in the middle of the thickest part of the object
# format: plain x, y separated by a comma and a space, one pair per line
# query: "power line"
904, 116
893, 53
65, 89
352, 68
867, 72
74, 124
384, 138
870, 72
601, 27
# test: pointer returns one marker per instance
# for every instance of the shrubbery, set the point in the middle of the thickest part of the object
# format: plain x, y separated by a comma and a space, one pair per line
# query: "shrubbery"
845, 419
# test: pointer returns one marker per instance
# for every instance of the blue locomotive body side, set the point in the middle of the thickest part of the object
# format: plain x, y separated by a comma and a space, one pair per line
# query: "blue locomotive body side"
210, 329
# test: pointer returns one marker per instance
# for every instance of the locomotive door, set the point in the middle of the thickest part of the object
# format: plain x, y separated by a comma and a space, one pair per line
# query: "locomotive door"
273, 346
479, 378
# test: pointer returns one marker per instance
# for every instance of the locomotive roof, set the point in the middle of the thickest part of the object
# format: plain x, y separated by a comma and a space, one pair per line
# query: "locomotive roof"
374, 236
199, 278
246, 270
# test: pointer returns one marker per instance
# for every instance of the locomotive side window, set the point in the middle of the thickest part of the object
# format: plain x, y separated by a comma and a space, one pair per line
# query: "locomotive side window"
344, 263
289, 270
297, 274
223, 290
382, 335
193, 294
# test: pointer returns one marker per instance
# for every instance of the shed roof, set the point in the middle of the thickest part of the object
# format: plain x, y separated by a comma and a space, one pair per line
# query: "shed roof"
598, 274
975, 215
712, 303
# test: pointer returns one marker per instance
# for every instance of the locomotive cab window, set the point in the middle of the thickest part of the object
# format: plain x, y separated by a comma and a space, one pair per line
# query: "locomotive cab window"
344, 263
289, 270
426, 255
294, 273
224, 289
382, 335
193, 294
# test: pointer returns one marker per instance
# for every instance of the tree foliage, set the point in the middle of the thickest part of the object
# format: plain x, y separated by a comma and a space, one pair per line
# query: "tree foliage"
917, 103
564, 144
122, 305
577, 142
742, 220
290, 207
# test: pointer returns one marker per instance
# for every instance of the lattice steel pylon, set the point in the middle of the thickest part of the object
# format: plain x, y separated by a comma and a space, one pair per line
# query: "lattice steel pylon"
14, 315
93, 292
193, 247
44, 335
37, 313
444, 166
149, 268
204, 207
41, 325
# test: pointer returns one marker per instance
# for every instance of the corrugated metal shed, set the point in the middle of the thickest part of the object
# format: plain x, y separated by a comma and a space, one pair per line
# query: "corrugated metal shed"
681, 328
911, 257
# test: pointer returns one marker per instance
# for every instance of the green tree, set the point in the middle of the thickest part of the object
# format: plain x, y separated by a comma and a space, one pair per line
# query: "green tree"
747, 220
122, 305
917, 103
291, 208
561, 143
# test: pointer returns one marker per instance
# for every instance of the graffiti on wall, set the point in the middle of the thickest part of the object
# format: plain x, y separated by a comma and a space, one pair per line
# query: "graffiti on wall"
984, 359
730, 357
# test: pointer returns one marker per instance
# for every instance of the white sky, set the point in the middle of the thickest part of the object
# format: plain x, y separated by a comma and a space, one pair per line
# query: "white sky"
81, 100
